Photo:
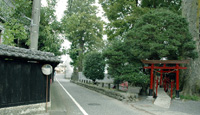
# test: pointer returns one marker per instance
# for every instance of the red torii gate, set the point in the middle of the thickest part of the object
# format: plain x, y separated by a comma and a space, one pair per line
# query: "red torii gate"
164, 62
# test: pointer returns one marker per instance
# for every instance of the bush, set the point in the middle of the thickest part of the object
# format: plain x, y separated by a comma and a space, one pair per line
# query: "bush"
93, 66
123, 66
188, 97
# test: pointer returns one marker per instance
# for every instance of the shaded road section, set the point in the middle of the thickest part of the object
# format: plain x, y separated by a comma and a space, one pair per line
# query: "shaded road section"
91, 102
61, 103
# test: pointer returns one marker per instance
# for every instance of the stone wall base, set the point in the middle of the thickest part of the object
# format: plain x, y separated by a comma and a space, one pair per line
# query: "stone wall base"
30, 109
125, 97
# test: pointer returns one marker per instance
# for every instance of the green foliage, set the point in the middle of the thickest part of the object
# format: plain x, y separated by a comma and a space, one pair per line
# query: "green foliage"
76, 6
83, 28
49, 39
122, 15
22, 11
136, 78
5, 11
94, 66
115, 57
159, 34
188, 97
123, 66
144, 33
15, 26
173, 5
14, 33
73, 53
18, 9
23, 7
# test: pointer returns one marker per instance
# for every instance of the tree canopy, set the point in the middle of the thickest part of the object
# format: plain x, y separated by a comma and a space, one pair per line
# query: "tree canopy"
82, 27
16, 22
122, 15
157, 34
15, 34
173, 5
49, 39
161, 33
122, 65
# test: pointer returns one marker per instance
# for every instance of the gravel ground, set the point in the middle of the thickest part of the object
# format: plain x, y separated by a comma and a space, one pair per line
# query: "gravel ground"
177, 107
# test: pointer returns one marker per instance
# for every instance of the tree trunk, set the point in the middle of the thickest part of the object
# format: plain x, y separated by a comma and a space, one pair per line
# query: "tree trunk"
75, 74
143, 91
136, 1
80, 61
190, 11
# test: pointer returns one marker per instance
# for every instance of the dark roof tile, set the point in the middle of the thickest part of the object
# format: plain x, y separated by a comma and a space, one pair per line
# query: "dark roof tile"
17, 52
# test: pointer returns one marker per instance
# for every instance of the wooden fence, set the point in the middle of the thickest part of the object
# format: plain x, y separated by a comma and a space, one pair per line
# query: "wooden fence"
21, 83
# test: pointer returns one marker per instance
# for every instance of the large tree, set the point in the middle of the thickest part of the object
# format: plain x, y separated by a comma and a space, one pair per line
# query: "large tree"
49, 39
82, 27
157, 34
161, 33
191, 10
122, 15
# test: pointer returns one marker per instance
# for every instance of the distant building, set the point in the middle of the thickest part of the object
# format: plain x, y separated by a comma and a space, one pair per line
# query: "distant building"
60, 68
68, 69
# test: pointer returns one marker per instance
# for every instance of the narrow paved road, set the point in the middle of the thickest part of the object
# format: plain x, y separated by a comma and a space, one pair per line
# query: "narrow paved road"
71, 99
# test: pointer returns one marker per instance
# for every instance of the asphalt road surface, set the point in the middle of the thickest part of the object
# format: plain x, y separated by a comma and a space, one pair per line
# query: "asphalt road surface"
70, 99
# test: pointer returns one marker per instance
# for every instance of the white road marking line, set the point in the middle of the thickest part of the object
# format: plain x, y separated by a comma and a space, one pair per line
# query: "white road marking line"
78, 105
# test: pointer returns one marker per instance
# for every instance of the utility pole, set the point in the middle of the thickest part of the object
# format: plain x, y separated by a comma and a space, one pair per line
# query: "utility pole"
35, 21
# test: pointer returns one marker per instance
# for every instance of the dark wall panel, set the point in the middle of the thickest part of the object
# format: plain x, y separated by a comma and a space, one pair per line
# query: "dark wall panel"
21, 83
2, 82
